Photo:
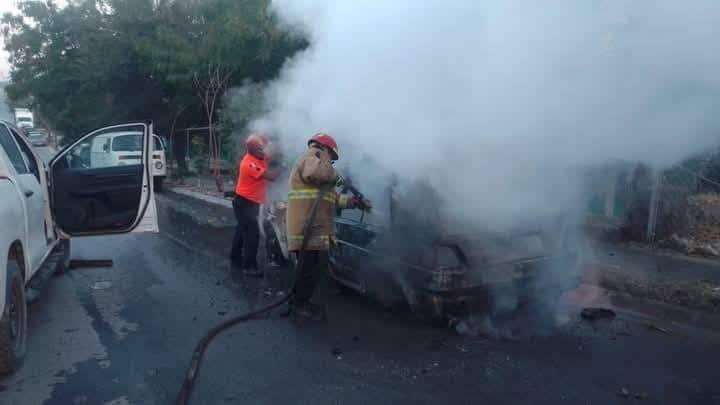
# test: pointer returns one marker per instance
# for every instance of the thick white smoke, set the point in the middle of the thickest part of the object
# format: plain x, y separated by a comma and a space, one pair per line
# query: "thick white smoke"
500, 104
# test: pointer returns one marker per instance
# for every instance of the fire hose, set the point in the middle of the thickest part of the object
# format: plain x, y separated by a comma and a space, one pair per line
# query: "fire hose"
183, 397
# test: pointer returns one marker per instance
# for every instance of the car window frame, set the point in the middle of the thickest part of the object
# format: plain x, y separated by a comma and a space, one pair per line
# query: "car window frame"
20, 152
31, 163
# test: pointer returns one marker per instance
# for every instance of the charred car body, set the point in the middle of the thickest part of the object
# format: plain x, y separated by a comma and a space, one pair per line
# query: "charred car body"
440, 275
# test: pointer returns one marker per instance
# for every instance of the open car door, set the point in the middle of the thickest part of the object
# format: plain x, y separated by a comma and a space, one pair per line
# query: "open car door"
102, 183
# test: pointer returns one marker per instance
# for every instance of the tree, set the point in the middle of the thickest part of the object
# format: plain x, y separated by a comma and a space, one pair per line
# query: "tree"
94, 62
220, 42
210, 87
77, 64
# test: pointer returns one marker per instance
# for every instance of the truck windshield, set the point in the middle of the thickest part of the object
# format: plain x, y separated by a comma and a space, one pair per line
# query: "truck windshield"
127, 143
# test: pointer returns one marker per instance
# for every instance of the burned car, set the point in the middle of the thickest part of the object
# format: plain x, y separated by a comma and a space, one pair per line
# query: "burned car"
440, 275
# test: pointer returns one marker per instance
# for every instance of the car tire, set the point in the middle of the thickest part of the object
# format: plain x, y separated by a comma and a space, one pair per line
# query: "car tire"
13, 324
158, 184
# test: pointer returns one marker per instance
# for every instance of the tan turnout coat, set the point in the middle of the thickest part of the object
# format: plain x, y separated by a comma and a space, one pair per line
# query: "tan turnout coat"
312, 175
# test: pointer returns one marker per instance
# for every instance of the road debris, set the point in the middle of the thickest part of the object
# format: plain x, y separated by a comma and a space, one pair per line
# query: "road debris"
652, 326
594, 314
430, 367
640, 395
101, 285
464, 327
337, 353
624, 392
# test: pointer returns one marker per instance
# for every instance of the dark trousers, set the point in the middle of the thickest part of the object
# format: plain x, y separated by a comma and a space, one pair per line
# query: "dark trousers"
247, 233
308, 276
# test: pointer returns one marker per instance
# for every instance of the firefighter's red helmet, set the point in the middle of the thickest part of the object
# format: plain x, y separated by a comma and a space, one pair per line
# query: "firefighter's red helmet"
327, 141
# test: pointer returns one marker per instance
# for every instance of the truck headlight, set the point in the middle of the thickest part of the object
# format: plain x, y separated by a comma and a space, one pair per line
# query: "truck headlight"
158, 165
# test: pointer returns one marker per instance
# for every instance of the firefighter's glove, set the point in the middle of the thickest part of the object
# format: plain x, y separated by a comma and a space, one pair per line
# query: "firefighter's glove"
339, 181
360, 203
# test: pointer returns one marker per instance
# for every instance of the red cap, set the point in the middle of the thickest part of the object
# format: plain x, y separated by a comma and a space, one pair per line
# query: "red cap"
258, 140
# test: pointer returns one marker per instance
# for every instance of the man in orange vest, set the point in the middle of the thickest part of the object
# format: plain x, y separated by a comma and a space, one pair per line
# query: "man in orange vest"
253, 175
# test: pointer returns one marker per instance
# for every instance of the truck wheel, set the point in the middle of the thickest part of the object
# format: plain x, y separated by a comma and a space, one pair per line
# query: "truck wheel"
158, 184
13, 324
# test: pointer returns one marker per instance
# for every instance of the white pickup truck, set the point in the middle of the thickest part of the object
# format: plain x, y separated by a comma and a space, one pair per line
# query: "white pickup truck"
43, 206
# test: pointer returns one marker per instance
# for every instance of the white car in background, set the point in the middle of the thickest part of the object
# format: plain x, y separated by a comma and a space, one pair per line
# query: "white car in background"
37, 137
159, 165
43, 207
123, 148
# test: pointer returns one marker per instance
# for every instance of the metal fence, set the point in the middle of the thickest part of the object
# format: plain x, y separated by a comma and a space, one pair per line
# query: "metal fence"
671, 191
192, 146
646, 204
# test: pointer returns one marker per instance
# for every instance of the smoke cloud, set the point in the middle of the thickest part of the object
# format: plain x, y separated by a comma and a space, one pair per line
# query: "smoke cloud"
499, 105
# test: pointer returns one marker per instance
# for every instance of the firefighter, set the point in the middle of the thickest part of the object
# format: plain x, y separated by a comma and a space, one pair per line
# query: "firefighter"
253, 175
313, 176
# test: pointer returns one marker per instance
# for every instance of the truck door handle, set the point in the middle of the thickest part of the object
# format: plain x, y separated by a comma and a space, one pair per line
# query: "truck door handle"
29, 193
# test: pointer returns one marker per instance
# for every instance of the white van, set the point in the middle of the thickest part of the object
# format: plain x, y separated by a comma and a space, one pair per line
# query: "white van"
125, 148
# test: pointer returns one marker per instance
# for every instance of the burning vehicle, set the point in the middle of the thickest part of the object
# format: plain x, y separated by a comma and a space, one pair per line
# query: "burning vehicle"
439, 275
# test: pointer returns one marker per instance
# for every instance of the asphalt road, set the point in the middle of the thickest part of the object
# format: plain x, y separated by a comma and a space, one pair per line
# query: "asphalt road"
124, 335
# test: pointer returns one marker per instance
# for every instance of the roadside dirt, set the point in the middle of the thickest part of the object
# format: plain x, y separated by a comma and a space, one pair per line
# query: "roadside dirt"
698, 294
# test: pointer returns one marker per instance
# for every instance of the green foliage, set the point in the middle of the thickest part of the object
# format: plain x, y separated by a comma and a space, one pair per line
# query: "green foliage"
240, 105
200, 153
95, 62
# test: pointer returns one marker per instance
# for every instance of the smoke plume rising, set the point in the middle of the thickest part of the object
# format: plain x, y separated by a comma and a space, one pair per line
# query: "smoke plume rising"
500, 104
